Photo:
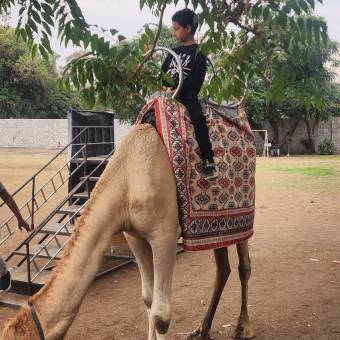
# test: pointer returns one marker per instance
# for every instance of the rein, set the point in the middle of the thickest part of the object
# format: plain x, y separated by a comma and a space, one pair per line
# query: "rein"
36, 321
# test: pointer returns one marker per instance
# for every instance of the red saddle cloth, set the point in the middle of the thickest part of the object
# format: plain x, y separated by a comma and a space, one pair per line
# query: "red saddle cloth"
212, 214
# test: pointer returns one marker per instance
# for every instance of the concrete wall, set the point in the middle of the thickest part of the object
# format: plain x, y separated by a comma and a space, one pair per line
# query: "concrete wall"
47, 133
50, 133
329, 130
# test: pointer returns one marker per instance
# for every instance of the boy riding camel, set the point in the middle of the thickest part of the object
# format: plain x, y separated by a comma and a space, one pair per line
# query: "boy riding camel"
194, 65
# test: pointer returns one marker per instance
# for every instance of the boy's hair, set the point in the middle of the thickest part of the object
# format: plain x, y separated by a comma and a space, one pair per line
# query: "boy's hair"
186, 17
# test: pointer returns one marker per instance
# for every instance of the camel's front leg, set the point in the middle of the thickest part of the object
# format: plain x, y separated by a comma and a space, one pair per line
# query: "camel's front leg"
222, 274
143, 253
164, 246
244, 328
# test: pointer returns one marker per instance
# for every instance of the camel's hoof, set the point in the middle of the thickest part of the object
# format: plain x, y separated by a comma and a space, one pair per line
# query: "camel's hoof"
198, 334
244, 332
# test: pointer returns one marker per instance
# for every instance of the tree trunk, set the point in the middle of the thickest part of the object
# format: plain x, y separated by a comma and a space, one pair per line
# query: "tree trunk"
276, 132
287, 138
312, 126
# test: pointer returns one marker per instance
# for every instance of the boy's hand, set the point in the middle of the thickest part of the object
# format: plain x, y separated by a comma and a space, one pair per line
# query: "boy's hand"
23, 224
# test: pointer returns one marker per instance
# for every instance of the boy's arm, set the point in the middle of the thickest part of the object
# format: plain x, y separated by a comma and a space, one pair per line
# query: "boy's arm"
193, 83
199, 72
166, 79
7, 198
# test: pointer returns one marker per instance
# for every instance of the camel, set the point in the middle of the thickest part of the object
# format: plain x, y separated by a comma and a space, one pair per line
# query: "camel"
137, 195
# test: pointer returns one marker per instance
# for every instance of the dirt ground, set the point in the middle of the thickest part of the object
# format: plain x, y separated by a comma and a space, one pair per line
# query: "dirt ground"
294, 290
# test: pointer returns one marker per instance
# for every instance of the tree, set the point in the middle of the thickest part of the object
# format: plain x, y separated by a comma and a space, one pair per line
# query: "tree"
28, 86
282, 115
308, 69
238, 31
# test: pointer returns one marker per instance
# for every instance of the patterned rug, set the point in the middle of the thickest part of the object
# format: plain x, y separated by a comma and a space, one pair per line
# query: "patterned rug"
213, 214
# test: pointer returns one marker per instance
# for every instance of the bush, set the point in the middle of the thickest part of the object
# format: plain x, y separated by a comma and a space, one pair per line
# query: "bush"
284, 149
326, 147
306, 143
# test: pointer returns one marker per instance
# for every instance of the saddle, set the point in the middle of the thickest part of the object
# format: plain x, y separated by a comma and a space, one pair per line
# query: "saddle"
212, 214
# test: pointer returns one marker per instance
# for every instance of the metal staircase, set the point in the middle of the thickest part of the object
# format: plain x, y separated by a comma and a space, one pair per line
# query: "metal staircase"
31, 260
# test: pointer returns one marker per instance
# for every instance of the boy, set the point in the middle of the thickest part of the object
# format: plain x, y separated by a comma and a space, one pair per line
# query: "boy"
5, 276
184, 23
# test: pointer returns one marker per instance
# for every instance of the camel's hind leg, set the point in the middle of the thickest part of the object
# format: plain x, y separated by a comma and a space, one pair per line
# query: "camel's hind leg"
143, 253
222, 274
244, 328
164, 245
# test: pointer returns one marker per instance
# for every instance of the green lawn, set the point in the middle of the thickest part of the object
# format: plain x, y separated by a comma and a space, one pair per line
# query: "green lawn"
316, 171
307, 172
317, 166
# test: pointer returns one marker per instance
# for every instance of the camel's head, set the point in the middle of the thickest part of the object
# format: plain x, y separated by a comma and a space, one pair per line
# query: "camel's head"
21, 327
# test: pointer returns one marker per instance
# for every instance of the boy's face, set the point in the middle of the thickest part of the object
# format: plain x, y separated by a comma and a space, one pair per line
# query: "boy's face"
181, 33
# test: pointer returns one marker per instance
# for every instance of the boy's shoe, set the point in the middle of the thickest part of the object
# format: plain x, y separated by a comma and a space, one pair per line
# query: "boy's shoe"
5, 282
209, 170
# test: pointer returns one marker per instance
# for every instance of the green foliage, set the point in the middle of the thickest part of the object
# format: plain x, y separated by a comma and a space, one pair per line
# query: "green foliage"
112, 80
259, 111
326, 147
309, 92
28, 86
239, 33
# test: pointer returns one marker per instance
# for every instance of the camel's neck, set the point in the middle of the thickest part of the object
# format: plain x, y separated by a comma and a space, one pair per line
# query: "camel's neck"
58, 302
107, 211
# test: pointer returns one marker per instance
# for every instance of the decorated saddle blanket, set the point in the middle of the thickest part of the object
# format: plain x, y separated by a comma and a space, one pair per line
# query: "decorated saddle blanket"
212, 214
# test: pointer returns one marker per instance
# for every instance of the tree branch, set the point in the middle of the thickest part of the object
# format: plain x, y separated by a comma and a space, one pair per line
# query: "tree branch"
156, 39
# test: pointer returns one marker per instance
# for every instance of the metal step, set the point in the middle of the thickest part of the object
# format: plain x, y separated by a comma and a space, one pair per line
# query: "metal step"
12, 299
91, 178
34, 249
93, 160
20, 274
71, 209
53, 228
83, 194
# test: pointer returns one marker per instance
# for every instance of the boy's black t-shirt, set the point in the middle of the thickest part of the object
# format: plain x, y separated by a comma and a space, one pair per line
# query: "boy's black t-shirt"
194, 67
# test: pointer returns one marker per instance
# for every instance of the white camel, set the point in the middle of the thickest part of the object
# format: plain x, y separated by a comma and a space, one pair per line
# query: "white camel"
137, 195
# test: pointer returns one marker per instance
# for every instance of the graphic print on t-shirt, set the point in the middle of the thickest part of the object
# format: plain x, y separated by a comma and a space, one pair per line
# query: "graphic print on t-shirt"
173, 70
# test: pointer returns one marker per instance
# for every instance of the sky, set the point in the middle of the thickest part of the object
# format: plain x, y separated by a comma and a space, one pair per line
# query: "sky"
125, 16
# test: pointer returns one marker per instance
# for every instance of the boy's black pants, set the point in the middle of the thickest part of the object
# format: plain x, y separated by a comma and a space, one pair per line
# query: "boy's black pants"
200, 126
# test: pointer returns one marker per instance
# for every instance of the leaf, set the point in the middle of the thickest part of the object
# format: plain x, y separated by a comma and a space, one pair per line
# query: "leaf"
311, 3
121, 37
67, 84
34, 50
278, 88
141, 4
309, 25
48, 9
46, 43
47, 18
47, 28
35, 16
36, 5
304, 5
149, 32
56, 6
266, 13
43, 52
21, 11
32, 24
316, 29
